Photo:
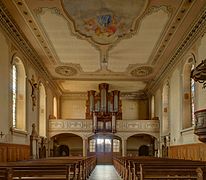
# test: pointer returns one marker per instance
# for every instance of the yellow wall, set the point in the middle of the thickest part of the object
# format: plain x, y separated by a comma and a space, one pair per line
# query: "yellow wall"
4, 79
73, 109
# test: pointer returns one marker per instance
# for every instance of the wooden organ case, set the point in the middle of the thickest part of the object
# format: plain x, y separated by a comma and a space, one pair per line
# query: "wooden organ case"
104, 108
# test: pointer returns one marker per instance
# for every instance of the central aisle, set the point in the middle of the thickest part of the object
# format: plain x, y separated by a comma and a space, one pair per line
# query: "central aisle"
104, 172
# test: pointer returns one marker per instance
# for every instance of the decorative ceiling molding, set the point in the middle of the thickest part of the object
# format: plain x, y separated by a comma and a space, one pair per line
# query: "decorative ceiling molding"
141, 71
17, 37
66, 71
103, 22
172, 29
30, 20
123, 95
75, 96
134, 95
198, 28
153, 9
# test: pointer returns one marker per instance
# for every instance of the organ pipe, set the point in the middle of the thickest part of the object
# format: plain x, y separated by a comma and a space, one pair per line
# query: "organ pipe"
91, 95
116, 100
104, 108
103, 94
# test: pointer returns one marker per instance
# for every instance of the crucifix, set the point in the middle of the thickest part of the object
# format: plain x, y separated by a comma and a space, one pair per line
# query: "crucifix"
1, 134
34, 87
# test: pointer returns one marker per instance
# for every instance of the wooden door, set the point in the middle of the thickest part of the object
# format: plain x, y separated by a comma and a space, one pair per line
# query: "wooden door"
104, 150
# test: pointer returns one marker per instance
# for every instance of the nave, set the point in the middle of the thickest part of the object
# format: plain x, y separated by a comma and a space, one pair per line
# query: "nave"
86, 84
85, 168
104, 172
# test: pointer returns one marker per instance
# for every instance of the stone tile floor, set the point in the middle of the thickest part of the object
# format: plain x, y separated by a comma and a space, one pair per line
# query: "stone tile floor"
104, 172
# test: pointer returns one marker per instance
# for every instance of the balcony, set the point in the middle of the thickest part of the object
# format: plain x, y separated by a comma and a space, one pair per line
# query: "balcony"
57, 126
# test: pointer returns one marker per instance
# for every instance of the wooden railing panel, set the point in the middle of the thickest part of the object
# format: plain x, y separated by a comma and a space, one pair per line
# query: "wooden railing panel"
188, 151
3, 153
14, 152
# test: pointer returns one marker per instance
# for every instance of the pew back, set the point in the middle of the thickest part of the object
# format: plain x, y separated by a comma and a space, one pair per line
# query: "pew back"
50, 168
158, 168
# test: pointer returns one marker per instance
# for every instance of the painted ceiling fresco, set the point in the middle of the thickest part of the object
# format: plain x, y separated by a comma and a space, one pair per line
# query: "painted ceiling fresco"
104, 21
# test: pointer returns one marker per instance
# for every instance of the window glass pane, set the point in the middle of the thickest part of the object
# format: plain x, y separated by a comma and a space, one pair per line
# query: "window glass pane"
108, 144
100, 145
116, 145
14, 82
92, 145
192, 84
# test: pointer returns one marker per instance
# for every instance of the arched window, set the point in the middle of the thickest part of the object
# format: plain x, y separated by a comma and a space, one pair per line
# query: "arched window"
165, 109
14, 91
152, 107
116, 145
42, 110
192, 92
92, 145
188, 95
18, 95
55, 107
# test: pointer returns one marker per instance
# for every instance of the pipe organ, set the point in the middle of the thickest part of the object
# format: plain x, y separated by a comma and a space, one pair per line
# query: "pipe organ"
104, 108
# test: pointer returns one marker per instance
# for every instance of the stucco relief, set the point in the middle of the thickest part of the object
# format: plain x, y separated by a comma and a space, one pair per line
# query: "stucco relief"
122, 125
142, 71
70, 125
66, 70
138, 125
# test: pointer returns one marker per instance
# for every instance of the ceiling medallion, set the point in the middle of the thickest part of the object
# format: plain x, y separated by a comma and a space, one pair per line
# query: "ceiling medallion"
103, 21
142, 71
66, 70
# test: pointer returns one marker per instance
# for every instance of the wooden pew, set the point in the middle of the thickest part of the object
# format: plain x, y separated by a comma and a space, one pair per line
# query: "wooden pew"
140, 167
69, 168
148, 172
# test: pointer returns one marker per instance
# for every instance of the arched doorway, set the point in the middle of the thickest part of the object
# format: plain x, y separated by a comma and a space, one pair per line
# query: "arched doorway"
104, 147
63, 150
67, 144
141, 145
144, 150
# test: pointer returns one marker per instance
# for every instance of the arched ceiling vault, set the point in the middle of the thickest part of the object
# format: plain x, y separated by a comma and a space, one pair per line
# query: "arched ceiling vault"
127, 44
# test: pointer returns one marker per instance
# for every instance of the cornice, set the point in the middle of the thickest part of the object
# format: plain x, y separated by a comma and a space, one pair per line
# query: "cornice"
18, 38
140, 95
173, 26
196, 30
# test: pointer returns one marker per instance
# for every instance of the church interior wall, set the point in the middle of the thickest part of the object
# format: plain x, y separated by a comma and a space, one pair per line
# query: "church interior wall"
73, 108
132, 109
11, 136
4, 79
183, 142
175, 107
179, 138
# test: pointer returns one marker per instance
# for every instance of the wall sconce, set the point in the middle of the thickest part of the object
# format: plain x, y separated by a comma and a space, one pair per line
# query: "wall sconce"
1, 134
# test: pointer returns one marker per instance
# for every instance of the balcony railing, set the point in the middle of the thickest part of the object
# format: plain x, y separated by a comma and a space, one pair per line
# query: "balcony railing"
85, 126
